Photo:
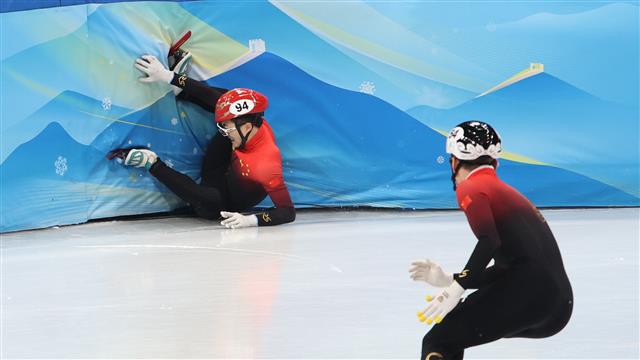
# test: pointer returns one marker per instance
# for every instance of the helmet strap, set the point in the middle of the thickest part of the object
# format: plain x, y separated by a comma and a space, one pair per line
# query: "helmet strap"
454, 173
243, 137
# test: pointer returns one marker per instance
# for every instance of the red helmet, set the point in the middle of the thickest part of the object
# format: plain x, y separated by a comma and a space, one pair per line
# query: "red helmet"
237, 102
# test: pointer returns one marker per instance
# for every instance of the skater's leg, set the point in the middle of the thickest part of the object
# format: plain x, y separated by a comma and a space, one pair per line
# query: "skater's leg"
206, 201
216, 161
447, 340
504, 308
553, 324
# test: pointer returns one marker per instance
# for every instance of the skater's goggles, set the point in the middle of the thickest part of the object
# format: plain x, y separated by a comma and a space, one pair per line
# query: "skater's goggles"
223, 130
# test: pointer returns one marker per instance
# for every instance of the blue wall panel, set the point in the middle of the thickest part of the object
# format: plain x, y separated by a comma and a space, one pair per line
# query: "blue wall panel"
360, 93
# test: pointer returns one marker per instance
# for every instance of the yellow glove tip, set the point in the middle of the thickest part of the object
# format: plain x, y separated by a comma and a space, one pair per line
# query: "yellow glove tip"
429, 298
429, 321
438, 319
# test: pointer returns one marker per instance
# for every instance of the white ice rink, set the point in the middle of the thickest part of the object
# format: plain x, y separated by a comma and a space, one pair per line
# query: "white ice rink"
334, 284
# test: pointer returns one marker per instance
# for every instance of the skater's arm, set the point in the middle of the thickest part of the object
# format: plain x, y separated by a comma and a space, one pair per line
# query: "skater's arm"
478, 211
490, 275
276, 216
197, 92
283, 212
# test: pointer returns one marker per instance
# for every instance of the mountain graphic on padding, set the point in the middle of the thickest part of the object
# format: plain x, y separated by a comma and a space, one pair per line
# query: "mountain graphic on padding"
54, 180
81, 116
547, 119
53, 154
96, 59
550, 186
340, 148
346, 148
33, 178
533, 69
323, 60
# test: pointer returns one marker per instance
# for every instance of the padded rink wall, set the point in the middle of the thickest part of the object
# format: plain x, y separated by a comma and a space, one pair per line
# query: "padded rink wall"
361, 96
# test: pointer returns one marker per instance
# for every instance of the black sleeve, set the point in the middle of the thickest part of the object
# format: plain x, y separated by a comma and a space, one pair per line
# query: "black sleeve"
197, 92
283, 212
483, 225
276, 216
488, 276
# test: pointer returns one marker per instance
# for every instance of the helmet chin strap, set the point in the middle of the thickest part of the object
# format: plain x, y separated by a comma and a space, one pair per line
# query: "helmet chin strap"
243, 137
454, 173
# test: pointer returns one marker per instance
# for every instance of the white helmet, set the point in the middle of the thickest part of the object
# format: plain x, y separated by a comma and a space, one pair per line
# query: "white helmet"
473, 139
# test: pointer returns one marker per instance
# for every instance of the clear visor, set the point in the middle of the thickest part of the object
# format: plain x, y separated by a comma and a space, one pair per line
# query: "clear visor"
224, 131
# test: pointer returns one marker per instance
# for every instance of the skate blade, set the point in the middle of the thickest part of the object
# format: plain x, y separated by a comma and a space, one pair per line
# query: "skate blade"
122, 153
181, 40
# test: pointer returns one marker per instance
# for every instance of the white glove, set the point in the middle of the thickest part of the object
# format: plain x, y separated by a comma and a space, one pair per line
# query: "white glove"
235, 220
431, 273
442, 304
141, 158
154, 69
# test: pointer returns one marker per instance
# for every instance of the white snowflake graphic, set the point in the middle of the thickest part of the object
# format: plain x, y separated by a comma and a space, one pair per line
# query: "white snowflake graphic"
440, 159
169, 163
174, 121
367, 87
61, 165
195, 151
106, 104
148, 145
130, 142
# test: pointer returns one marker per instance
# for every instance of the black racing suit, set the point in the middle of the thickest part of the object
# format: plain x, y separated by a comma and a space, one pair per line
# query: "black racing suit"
526, 293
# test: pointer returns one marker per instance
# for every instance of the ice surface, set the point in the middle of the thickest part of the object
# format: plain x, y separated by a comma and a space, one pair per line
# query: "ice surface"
334, 284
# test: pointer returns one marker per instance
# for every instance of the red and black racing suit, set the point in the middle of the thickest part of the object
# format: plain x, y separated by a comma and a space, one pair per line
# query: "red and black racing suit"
526, 293
232, 180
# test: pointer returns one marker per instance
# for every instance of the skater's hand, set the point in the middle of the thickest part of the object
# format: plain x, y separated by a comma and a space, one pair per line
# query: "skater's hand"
135, 157
235, 220
430, 272
154, 69
442, 304
141, 158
